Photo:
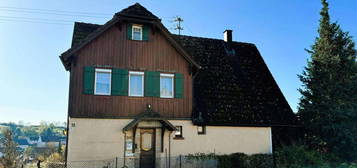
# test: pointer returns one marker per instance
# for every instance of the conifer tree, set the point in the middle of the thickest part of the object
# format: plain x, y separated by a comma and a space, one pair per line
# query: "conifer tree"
328, 106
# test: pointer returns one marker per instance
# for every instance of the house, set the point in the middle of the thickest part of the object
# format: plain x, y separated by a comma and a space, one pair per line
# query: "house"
138, 91
22, 143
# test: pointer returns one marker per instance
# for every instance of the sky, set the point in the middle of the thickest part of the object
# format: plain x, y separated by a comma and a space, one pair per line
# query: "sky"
33, 33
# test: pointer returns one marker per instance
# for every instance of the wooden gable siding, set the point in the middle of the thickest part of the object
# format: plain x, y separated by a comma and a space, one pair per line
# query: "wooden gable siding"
113, 49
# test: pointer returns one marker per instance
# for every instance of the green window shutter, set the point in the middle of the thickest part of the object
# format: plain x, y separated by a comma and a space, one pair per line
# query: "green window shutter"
152, 84
120, 82
88, 80
179, 89
146, 32
129, 31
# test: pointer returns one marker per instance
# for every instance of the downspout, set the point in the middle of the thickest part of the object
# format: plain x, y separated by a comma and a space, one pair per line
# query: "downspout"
124, 149
193, 91
67, 129
66, 152
170, 149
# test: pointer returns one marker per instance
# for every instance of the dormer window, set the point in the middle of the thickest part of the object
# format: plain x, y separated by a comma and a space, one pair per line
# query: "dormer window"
137, 31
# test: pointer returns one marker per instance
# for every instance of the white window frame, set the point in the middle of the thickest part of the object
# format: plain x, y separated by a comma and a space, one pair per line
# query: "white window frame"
141, 32
178, 133
173, 80
142, 82
95, 81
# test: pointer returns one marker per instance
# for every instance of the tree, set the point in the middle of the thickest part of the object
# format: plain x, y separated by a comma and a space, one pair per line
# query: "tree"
10, 159
328, 106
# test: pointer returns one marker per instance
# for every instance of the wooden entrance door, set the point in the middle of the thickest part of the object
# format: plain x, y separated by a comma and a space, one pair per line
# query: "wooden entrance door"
147, 148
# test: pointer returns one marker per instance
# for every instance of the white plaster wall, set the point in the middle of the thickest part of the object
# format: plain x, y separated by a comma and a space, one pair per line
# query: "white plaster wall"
95, 139
100, 139
221, 140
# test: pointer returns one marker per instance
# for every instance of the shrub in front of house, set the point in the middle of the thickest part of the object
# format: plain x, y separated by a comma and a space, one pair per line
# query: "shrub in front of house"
299, 156
237, 160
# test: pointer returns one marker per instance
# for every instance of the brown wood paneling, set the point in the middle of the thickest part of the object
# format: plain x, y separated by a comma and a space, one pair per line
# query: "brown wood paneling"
114, 50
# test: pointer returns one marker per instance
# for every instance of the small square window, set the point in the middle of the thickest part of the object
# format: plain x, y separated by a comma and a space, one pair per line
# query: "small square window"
137, 32
166, 85
201, 129
102, 81
178, 132
136, 83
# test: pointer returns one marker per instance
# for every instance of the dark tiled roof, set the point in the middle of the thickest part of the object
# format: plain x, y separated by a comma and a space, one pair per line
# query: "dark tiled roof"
22, 142
230, 89
138, 11
81, 31
234, 88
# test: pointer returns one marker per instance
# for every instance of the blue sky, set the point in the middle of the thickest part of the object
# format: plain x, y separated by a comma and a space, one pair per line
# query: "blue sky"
34, 84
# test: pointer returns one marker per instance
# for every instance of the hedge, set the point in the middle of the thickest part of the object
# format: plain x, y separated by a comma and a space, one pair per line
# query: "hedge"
237, 160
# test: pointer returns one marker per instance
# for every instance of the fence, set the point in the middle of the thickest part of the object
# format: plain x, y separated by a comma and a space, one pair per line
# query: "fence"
165, 162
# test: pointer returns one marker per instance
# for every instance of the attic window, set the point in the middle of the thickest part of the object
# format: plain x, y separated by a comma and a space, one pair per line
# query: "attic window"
137, 32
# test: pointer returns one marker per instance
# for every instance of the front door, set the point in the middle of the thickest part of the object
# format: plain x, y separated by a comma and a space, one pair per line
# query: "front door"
147, 148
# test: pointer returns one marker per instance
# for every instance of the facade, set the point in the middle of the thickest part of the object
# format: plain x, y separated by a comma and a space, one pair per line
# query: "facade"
138, 91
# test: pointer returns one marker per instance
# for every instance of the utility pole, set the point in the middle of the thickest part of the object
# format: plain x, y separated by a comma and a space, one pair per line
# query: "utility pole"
178, 25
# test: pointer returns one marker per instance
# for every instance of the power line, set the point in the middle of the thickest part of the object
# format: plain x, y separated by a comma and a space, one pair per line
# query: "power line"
48, 10
36, 19
53, 13
29, 21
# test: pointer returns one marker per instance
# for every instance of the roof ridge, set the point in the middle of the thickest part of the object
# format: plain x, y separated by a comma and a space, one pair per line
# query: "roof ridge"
76, 22
211, 38
137, 10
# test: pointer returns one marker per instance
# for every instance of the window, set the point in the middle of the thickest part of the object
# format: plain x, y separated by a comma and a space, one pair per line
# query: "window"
178, 132
102, 81
136, 83
201, 129
137, 32
166, 85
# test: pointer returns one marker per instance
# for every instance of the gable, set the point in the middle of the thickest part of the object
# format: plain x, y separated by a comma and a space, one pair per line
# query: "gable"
133, 14
113, 49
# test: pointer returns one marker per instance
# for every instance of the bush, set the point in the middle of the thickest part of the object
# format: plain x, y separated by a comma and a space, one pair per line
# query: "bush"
237, 160
298, 156
261, 161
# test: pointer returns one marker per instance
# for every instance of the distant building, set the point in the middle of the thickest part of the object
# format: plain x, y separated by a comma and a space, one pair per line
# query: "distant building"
22, 143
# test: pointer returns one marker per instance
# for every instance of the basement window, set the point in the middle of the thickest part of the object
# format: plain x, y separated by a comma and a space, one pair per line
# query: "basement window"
137, 32
178, 133
201, 130
102, 81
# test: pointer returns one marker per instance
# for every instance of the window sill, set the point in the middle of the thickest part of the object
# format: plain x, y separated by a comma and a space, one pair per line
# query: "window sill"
166, 97
139, 40
179, 138
134, 96
101, 94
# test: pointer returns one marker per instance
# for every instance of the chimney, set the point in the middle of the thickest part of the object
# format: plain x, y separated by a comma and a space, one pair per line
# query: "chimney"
228, 35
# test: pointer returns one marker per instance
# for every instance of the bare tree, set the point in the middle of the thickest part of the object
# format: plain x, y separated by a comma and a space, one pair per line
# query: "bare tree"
10, 159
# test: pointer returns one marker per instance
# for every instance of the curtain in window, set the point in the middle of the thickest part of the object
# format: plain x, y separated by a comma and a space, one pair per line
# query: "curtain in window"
103, 82
136, 87
166, 89
137, 34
